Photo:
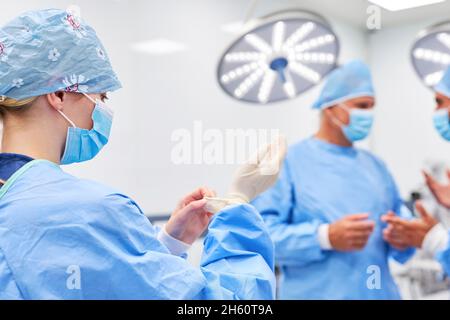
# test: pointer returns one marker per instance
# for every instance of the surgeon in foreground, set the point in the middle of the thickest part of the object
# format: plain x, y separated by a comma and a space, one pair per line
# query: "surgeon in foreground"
324, 213
426, 232
66, 238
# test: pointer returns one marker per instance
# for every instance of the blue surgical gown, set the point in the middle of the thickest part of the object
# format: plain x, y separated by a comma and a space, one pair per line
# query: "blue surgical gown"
66, 238
320, 184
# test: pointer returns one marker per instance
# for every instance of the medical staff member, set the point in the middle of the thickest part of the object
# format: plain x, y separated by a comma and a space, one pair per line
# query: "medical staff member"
324, 212
66, 238
426, 232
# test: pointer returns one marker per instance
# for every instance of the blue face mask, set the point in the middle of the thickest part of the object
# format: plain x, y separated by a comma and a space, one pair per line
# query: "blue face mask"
82, 144
442, 123
360, 125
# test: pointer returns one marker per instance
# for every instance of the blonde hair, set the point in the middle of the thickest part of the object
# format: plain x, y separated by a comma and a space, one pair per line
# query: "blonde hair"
9, 104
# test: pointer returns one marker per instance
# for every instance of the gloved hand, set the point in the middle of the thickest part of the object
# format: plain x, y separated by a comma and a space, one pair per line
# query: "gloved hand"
254, 177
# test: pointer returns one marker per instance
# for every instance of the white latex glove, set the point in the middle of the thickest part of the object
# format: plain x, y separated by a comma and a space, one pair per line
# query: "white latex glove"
254, 177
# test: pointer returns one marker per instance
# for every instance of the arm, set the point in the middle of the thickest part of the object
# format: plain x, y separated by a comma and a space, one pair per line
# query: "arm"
295, 244
112, 252
238, 259
425, 233
398, 249
8, 287
175, 246
400, 254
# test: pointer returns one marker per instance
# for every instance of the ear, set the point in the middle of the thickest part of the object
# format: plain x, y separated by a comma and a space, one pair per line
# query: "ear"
56, 100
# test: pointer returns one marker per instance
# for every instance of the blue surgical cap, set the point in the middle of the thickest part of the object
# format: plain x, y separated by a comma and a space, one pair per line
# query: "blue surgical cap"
52, 50
443, 86
350, 81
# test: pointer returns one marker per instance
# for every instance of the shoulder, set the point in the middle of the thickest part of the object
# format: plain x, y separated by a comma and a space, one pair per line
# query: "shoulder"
301, 145
372, 157
298, 148
98, 195
45, 192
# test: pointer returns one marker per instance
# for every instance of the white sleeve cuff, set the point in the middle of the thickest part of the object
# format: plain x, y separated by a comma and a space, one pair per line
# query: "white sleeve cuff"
175, 246
324, 239
436, 240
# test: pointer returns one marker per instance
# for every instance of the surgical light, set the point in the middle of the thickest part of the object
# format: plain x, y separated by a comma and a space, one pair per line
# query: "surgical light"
430, 54
282, 56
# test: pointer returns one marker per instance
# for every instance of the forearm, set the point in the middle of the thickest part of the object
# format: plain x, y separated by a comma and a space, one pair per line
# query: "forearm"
299, 244
238, 256
175, 246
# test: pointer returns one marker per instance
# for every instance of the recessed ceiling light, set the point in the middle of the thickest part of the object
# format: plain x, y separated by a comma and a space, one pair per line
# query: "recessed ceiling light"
397, 5
159, 47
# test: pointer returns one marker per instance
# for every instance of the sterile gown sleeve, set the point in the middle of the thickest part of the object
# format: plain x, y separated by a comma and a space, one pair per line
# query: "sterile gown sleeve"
8, 287
109, 250
296, 244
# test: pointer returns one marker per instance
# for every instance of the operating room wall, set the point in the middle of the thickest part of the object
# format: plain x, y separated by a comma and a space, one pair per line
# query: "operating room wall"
404, 135
163, 93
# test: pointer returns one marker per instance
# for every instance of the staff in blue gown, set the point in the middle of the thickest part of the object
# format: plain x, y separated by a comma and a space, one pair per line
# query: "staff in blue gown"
67, 238
426, 232
324, 213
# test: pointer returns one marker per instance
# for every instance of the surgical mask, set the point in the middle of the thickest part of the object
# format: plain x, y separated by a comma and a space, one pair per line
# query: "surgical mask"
360, 125
441, 123
82, 144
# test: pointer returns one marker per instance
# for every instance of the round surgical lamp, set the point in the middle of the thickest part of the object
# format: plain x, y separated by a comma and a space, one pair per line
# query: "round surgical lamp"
282, 56
430, 54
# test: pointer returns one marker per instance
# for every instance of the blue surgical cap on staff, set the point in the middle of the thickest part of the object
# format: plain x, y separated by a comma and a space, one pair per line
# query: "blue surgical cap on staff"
52, 50
443, 86
350, 81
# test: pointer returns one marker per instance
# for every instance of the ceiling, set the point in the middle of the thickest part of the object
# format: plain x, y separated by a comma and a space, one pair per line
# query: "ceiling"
354, 11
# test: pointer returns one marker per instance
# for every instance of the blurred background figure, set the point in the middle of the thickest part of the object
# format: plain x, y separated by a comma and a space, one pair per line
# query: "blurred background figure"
430, 231
324, 212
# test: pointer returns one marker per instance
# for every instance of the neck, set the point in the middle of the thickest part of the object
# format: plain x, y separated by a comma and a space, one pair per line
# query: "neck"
35, 141
331, 133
